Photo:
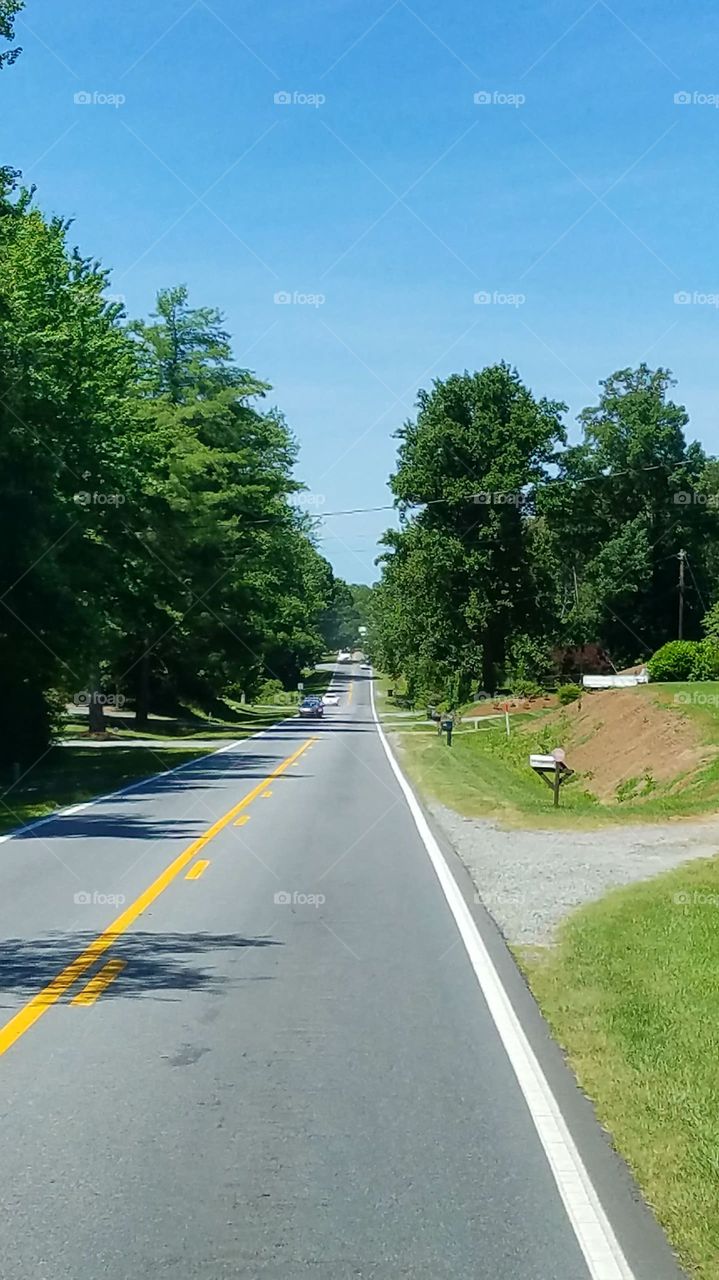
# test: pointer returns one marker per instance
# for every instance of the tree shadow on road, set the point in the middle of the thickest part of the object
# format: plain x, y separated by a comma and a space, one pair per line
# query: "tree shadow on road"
158, 964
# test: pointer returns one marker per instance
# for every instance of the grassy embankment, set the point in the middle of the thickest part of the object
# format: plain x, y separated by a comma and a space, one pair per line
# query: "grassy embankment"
486, 774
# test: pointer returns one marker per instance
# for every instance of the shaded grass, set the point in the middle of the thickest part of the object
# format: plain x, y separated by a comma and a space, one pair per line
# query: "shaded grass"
631, 992
69, 775
249, 720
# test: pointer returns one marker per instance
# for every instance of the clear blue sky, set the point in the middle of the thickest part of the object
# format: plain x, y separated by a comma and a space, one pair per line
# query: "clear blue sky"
397, 199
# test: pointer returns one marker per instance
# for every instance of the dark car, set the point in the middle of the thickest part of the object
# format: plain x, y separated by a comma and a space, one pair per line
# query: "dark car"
311, 706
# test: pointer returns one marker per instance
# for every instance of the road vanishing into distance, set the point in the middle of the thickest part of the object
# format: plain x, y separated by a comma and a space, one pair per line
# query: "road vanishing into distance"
254, 1024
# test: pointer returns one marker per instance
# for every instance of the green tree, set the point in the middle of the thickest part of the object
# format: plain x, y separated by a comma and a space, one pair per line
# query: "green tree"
458, 578
9, 9
626, 500
234, 585
66, 372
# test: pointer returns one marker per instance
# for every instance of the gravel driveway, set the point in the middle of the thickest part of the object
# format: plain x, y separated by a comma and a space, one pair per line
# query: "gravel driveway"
529, 880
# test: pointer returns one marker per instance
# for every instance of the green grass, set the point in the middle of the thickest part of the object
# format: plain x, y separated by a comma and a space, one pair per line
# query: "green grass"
696, 701
630, 991
240, 721
69, 775
486, 774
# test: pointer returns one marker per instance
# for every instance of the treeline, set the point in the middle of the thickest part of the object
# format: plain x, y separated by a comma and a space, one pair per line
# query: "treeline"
153, 543
518, 556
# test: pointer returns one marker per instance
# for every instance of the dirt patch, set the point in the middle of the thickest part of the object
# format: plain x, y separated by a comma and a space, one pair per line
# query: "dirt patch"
622, 734
493, 706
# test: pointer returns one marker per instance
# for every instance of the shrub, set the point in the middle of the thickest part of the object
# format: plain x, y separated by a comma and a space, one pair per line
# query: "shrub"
706, 660
271, 691
569, 693
710, 621
674, 661
525, 688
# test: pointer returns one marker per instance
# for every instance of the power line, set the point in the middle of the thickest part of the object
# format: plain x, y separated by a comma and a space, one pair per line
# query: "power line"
474, 497
696, 584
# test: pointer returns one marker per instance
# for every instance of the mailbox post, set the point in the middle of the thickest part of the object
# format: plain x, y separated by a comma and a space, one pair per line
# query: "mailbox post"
447, 725
553, 770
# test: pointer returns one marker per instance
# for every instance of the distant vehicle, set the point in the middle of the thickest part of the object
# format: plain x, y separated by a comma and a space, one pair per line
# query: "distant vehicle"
310, 707
331, 699
344, 656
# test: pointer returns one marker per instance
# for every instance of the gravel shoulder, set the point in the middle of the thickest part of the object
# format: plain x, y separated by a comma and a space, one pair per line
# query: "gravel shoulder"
530, 880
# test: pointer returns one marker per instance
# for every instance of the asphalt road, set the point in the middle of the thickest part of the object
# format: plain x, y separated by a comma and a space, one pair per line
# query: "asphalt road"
282, 1067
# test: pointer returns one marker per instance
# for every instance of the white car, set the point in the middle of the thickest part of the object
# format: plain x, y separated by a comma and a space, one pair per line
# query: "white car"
331, 699
344, 656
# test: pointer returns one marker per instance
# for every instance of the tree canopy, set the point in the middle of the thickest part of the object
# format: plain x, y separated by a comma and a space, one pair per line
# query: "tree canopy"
151, 542
513, 546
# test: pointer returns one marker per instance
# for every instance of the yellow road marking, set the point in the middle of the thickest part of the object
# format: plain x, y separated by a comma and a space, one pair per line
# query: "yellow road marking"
241, 821
100, 982
266, 794
349, 694
26, 1017
197, 869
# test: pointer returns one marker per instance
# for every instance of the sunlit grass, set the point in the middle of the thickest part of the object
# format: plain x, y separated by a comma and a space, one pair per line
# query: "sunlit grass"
631, 993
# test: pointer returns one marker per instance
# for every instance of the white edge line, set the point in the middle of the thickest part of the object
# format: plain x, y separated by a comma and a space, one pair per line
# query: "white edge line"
601, 1249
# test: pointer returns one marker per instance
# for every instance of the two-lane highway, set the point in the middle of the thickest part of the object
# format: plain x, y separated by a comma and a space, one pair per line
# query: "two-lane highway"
242, 1034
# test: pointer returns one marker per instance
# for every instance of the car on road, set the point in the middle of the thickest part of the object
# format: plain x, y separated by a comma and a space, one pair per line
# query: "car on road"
344, 656
311, 706
331, 699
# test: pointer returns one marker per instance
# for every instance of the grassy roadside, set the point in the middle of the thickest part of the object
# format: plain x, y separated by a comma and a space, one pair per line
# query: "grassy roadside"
69, 775
233, 719
630, 991
482, 775
486, 774
249, 720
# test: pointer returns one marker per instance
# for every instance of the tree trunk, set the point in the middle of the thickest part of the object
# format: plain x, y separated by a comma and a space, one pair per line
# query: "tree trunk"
96, 709
142, 704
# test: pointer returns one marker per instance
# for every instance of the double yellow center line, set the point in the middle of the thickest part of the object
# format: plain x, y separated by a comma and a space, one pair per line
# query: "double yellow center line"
26, 1017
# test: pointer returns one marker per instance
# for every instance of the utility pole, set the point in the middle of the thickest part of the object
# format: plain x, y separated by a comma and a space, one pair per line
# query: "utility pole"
682, 559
